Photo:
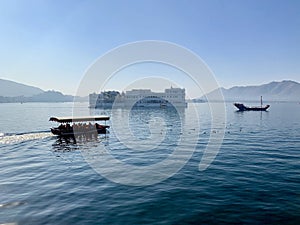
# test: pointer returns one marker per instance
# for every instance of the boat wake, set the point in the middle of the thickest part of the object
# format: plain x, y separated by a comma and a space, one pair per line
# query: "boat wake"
11, 138
11, 204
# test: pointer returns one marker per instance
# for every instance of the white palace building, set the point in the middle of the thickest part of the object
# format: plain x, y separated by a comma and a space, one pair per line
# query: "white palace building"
139, 98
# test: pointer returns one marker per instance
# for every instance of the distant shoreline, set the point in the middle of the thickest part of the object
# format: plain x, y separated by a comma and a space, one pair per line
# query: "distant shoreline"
188, 101
18, 102
248, 101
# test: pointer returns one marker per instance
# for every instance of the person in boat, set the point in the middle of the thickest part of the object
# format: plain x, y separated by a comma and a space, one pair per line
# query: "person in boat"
61, 127
80, 127
68, 127
87, 127
75, 127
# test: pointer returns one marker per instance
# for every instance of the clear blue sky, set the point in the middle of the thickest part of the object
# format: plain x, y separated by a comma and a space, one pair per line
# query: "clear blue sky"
50, 43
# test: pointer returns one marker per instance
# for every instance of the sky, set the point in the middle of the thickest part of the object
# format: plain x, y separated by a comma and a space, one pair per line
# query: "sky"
51, 44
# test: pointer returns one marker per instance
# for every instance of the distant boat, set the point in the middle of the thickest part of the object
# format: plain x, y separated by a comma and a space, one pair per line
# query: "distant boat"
242, 107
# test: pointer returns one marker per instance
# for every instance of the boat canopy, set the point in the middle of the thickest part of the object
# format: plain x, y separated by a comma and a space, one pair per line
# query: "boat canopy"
78, 119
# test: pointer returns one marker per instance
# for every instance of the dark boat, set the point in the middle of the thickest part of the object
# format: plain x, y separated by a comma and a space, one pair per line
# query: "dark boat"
79, 126
242, 107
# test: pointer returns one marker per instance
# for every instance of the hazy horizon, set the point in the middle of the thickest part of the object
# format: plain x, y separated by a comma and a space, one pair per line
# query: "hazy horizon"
160, 88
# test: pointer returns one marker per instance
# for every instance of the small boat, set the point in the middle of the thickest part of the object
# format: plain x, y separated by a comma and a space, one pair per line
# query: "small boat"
242, 107
71, 126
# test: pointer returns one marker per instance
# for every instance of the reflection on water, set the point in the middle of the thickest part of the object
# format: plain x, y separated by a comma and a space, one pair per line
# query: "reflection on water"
146, 145
68, 144
69, 150
64, 145
142, 136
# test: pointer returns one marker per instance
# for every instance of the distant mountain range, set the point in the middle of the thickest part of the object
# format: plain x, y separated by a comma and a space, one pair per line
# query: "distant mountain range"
11, 91
286, 90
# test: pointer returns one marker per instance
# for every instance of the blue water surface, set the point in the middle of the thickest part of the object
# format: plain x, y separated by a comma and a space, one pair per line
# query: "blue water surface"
255, 178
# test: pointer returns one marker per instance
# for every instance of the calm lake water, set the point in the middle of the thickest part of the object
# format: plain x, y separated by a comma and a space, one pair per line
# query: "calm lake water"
255, 178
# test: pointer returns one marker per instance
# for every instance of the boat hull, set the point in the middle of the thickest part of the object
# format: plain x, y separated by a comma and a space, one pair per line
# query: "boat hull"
64, 133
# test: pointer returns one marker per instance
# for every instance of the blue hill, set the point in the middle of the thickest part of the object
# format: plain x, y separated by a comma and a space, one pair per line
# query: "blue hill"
286, 90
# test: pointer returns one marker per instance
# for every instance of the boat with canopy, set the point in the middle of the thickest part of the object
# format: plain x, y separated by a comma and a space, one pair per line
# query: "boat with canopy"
71, 126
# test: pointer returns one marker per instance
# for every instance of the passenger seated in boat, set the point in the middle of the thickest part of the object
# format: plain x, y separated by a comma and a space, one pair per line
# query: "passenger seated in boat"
68, 127
91, 127
79, 127
61, 127
76, 127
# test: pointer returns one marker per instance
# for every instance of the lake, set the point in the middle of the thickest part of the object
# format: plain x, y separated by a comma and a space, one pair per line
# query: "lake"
254, 178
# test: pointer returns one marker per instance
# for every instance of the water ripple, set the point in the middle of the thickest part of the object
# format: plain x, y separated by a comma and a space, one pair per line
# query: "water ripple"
253, 180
